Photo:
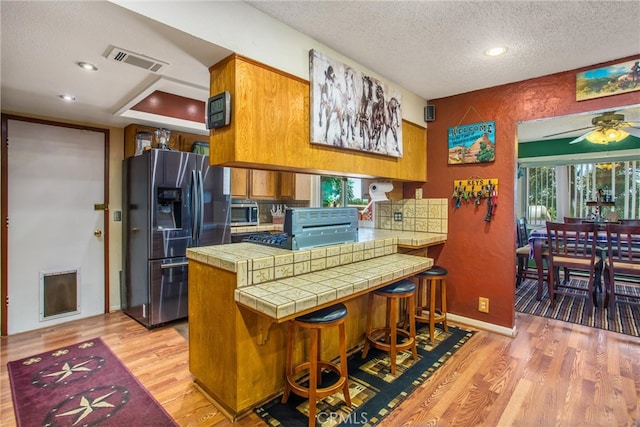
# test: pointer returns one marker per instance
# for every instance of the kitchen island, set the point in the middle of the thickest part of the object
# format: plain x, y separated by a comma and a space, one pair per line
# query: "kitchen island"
240, 296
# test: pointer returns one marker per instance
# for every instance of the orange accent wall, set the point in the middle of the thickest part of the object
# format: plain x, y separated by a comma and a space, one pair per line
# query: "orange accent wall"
480, 256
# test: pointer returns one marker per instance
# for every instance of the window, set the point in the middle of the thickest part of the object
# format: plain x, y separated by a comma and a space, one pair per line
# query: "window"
333, 187
546, 188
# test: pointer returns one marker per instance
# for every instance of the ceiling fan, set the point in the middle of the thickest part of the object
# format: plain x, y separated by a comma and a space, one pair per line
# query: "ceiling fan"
608, 127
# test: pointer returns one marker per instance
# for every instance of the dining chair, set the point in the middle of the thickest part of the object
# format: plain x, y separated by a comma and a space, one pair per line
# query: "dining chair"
573, 246
572, 220
623, 259
523, 253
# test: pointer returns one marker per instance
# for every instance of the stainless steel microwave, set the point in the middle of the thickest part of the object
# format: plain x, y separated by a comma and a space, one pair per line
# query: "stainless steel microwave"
244, 214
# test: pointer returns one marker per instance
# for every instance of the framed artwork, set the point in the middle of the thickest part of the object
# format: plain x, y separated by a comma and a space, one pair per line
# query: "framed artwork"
352, 110
610, 80
474, 143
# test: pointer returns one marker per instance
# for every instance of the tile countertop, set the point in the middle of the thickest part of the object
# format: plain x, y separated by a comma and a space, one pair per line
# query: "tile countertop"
256, 228
281, 283
290, 297
237, 257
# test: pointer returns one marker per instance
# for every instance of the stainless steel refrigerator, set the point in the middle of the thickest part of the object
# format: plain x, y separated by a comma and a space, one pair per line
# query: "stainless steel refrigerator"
172, 200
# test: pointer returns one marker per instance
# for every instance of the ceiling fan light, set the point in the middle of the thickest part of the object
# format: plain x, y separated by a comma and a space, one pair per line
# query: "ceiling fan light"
619, 135
605, 136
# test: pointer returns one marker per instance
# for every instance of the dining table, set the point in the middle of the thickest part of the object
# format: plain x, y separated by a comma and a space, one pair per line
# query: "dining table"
538, 239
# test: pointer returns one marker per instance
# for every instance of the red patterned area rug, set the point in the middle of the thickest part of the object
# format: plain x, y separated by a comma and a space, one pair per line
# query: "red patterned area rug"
84, 384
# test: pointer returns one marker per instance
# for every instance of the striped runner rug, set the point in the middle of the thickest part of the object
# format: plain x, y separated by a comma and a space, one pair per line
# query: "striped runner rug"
625, 320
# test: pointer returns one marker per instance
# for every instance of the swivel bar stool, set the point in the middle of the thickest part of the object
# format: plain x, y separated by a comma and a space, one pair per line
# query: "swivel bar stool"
403, 289
428, 281
316, 322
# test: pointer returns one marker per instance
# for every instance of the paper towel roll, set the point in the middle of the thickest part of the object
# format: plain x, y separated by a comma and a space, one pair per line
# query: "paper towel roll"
378, 190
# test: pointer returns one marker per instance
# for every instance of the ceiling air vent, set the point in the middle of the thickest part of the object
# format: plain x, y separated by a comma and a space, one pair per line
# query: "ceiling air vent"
121, 55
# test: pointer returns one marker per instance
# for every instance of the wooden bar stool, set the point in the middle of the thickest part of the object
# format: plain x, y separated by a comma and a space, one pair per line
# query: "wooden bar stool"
426, 311
315, 322
393, 294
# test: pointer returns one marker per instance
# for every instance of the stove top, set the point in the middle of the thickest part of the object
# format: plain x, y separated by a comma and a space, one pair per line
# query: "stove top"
277, 240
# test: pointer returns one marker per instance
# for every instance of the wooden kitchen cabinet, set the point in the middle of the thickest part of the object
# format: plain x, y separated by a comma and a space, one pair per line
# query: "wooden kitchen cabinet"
271, 185
263, 184
239, 183
271, 105
180, 141
295, 186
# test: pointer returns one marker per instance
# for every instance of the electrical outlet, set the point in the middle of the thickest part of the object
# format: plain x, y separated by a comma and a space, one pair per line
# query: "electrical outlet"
418, 193
483, 304
397, 216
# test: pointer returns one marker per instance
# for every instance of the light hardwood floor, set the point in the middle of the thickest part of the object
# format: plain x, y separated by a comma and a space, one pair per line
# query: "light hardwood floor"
551, 373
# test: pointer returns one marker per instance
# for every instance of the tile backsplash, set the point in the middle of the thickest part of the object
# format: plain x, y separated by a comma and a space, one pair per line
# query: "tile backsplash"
264, 208
426, 215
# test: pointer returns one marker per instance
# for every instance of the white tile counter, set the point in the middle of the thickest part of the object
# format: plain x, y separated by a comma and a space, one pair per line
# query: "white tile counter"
257, 228
284, 298
280, 283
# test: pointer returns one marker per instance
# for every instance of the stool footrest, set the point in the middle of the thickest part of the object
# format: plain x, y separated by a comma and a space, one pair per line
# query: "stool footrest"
378, 333
423, 317
320, 392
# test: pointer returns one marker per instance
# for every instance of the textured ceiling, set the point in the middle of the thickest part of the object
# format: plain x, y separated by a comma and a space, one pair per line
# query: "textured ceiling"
435, 48
432, 48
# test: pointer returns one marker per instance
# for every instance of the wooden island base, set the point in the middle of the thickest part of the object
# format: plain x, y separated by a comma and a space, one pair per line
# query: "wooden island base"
237, 355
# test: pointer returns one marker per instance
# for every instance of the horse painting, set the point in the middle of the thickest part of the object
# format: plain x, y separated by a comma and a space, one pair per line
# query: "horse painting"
364, 113
352, 110
330, 102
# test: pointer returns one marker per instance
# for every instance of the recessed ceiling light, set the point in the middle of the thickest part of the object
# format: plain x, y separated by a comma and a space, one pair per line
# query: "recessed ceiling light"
87, 66
69, 98
495, 51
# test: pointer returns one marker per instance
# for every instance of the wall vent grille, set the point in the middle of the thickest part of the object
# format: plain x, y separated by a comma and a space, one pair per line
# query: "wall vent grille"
122, 55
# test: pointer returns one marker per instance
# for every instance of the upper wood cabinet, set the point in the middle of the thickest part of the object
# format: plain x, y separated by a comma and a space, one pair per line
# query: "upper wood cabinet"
239, 183
260, 184
263, 184
180, 141
295, 186
271, 105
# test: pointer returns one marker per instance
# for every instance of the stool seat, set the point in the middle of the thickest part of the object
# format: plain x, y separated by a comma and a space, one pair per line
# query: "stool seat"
386, 338
400, 287
325, 315
315, 323
436, 270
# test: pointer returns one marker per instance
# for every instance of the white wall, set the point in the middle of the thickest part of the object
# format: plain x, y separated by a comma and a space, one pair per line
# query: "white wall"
246, 31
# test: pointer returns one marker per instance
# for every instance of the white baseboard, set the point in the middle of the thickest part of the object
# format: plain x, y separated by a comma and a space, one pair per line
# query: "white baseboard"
502, 330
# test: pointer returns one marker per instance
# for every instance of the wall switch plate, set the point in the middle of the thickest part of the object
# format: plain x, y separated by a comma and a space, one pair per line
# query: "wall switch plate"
418, 193
117, 216
483, 304
397, 216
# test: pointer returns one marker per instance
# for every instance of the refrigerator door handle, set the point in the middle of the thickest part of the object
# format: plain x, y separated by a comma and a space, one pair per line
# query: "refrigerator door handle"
195, 209
174, 265
200, 217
